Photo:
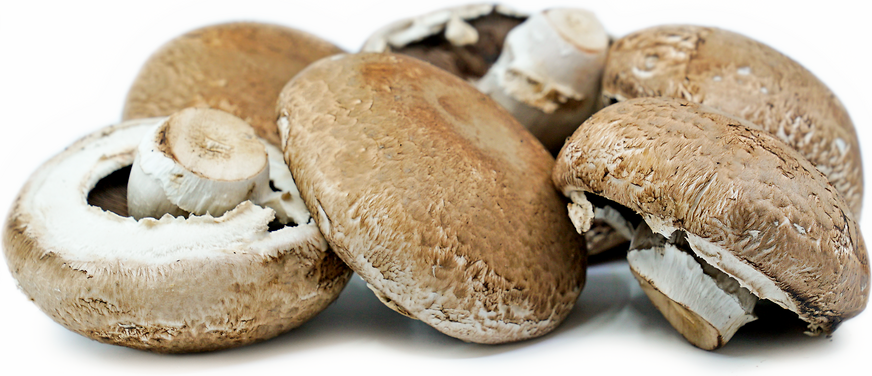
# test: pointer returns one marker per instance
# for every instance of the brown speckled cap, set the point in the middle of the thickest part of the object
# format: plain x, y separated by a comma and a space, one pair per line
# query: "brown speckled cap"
434, 195
747, 79
172, 284
238, 68
752, 206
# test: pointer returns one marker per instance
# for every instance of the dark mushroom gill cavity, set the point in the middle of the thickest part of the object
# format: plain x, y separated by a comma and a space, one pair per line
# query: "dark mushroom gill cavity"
470, 61
609, 243
601, 202
110, 194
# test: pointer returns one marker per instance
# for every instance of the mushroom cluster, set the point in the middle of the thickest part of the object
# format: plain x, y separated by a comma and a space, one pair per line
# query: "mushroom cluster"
256, 167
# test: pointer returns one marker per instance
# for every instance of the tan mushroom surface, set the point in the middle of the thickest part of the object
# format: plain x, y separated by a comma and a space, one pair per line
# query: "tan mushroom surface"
544, 68
736, 199
238, 68
434, 195
172, 284
747, 79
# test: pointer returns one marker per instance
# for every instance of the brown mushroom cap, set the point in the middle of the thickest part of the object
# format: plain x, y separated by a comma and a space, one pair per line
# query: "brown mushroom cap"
752, 207
239, 68
434, 195
747, 79
164, 285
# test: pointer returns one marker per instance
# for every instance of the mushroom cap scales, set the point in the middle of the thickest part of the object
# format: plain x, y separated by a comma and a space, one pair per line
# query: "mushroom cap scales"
172, 284
433, 194
751, 206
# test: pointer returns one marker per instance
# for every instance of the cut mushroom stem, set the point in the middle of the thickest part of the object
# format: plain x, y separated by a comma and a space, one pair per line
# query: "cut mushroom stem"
199, 161
549, 69
704, 304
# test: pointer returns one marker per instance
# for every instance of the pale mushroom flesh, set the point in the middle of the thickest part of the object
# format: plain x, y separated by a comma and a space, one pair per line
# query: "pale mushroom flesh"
172, 284
704, 304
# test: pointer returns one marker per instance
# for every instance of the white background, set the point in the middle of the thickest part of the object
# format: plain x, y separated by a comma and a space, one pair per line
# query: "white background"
65, 68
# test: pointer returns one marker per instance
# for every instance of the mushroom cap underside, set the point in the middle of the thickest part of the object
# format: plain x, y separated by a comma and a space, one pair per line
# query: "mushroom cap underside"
168, 285
465, 40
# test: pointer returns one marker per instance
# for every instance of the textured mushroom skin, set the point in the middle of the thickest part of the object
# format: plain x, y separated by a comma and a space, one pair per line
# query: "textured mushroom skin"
187, 305
688, 167
434, 195
747, 79
238, 68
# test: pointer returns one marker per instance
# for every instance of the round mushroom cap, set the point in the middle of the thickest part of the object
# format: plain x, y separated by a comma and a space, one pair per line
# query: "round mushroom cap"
238, 68
747, 79
750, 205
172, 284
434, 195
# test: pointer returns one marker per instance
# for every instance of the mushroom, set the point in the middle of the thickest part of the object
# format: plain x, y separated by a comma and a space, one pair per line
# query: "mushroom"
544, 69
199, 161
433, 194
171, 284
747, 79
239, 68
728, 215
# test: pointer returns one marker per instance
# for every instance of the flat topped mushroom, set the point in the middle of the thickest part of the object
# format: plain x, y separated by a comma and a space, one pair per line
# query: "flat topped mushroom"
746, 79
434, 195
545, 69
735, 215
239, 68
171, 284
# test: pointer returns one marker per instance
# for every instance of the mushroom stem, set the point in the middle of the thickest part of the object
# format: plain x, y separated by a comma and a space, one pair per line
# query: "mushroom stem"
548, 75
704, 304
198, 161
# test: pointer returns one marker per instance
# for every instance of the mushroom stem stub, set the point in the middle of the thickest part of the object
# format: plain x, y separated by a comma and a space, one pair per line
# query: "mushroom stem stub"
199, 161
549, 71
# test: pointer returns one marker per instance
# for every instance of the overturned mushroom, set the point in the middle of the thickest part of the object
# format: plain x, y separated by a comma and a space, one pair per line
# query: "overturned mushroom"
171, 284
747, 79
735, 215
239, 68
544, 69
434, 195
